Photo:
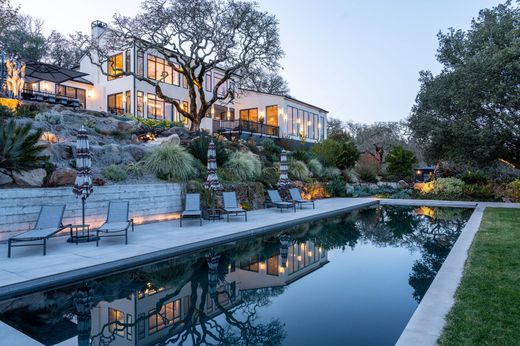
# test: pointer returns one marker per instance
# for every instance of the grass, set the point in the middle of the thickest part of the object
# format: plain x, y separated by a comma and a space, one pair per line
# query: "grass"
487, 302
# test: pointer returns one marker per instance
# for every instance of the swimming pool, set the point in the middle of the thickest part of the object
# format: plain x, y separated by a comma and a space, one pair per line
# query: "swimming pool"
355, 278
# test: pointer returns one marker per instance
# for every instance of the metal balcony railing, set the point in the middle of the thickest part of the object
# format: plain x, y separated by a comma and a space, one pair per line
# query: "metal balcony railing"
241, 126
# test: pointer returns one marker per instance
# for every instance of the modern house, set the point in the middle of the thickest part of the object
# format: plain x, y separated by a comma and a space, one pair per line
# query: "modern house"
250, 114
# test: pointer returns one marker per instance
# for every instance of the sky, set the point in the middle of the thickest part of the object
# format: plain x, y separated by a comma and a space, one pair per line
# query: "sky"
358, 59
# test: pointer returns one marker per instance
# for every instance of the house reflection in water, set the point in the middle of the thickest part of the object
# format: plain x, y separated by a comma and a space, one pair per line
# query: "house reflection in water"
157, 314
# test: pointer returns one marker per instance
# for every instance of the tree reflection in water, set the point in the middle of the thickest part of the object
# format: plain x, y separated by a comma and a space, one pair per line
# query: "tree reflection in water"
215, 305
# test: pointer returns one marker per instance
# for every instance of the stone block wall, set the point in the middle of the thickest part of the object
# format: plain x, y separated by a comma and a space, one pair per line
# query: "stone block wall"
19, 208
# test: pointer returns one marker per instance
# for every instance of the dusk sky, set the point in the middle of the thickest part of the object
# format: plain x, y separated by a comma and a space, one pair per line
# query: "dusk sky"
360, 60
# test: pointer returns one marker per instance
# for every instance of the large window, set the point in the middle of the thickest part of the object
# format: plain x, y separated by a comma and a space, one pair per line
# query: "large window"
208, 83
72, 92
155, 107
220, 112
308, 124
115, 103
140, 63
128, 102
251, 265
115, 66
222, 89
115, 317
322, 128
170, 313
249, 114
140, 104
272, 265
129, 328
128, 61
141, 326
159, 69
271, 113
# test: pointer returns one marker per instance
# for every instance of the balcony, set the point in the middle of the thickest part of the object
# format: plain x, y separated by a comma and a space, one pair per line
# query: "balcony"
240, 126
49, 97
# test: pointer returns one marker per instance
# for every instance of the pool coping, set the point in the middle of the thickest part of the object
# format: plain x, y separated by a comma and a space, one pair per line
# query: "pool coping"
429, 318
75, 275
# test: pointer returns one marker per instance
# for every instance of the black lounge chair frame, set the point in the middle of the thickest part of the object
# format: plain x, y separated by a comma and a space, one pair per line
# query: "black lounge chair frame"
192, 200
116, 232
279, 203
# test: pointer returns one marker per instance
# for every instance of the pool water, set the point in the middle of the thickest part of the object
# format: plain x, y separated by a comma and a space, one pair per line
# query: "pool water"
352, 279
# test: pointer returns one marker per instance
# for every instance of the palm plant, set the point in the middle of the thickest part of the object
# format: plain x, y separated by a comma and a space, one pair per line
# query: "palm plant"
19, 148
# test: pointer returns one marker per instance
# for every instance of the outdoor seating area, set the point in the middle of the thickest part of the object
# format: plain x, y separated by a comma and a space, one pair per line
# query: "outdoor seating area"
52, 98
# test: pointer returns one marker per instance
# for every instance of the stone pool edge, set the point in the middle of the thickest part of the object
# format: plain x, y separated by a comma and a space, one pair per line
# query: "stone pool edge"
72, 276
429, 318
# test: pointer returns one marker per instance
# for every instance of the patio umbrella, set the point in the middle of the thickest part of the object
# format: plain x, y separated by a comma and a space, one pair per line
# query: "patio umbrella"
212, 259
284, 182
212, 183
285, 241
83, 302
51, 73
83, 184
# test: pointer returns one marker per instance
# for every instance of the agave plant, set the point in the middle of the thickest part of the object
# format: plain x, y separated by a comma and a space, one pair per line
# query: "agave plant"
19, 148
199, 149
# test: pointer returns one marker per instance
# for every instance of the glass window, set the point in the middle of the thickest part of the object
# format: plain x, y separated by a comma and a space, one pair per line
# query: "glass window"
155, 107
115, 317
231, 114
289, 120
249, 114
140, 326
209, 86
168, 111
160, 69
140, 63
115, 103
220, 112
272, 265
222, 90
115, 66
128, 61
184, 81
322, 128
251, 265
186, 306
272, 115
128, 102
140, 103
129, 328
185, 107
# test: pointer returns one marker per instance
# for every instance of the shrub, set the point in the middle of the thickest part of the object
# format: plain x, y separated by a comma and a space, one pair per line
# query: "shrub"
242, 167
315, 167
5, 112
513, 190
474, 177
302, 155
298, 170
270, 150
400, 162
449, 187
171, 162
367, 171
336, 187
19, 148
482, 192
330, 173
269, 176
136, 168
342, 154
52, 117
26, 110
199, 149
115, 173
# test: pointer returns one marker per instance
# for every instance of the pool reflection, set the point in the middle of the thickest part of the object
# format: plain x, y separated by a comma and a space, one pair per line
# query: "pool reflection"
216, 296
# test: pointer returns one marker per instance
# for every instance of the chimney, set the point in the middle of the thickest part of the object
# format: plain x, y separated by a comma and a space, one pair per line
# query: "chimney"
98, 28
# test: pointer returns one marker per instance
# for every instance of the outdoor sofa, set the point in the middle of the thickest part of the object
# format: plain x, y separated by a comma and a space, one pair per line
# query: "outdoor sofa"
49, 223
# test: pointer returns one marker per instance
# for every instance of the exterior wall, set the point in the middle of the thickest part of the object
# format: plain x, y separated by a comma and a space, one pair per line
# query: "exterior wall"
19, 208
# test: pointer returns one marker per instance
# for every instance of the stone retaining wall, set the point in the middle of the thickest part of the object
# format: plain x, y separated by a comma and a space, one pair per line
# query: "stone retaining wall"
148, 202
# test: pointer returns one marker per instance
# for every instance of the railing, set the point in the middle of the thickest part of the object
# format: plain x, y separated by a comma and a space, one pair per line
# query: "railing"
239, 126
44, 96
115, 110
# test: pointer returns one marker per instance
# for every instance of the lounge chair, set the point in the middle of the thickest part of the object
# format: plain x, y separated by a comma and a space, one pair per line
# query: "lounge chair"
48, 224
276, 200
231, 205
192, 207
296, 197
116, 223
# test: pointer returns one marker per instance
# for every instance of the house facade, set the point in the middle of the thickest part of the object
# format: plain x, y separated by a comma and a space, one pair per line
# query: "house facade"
250, 113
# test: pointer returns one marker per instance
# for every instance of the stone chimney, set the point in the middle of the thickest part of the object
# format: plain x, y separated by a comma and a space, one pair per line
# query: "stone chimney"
98, 28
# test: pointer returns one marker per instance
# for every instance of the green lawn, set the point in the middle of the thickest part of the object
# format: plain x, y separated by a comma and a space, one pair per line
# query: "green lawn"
487, 302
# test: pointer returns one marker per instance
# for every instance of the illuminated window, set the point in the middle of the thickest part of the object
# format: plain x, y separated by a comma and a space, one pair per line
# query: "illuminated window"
272, 266
140, 103
219, 112
155, 107
249, 114
115, 104
271, 113
115, 66
185, 107
160, 69
251, 265
128, 61
129, 328
72, 92
184, 81
115, 317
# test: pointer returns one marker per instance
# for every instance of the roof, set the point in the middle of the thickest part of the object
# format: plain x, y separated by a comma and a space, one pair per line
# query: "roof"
286, 97
82, 80
425, 168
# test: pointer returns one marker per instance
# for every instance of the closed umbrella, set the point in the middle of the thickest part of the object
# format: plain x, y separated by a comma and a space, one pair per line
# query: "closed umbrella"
212, 259
83, 184
285, 241
212, 183
284, 182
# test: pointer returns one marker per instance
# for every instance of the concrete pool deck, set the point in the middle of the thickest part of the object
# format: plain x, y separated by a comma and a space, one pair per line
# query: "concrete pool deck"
28, 270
